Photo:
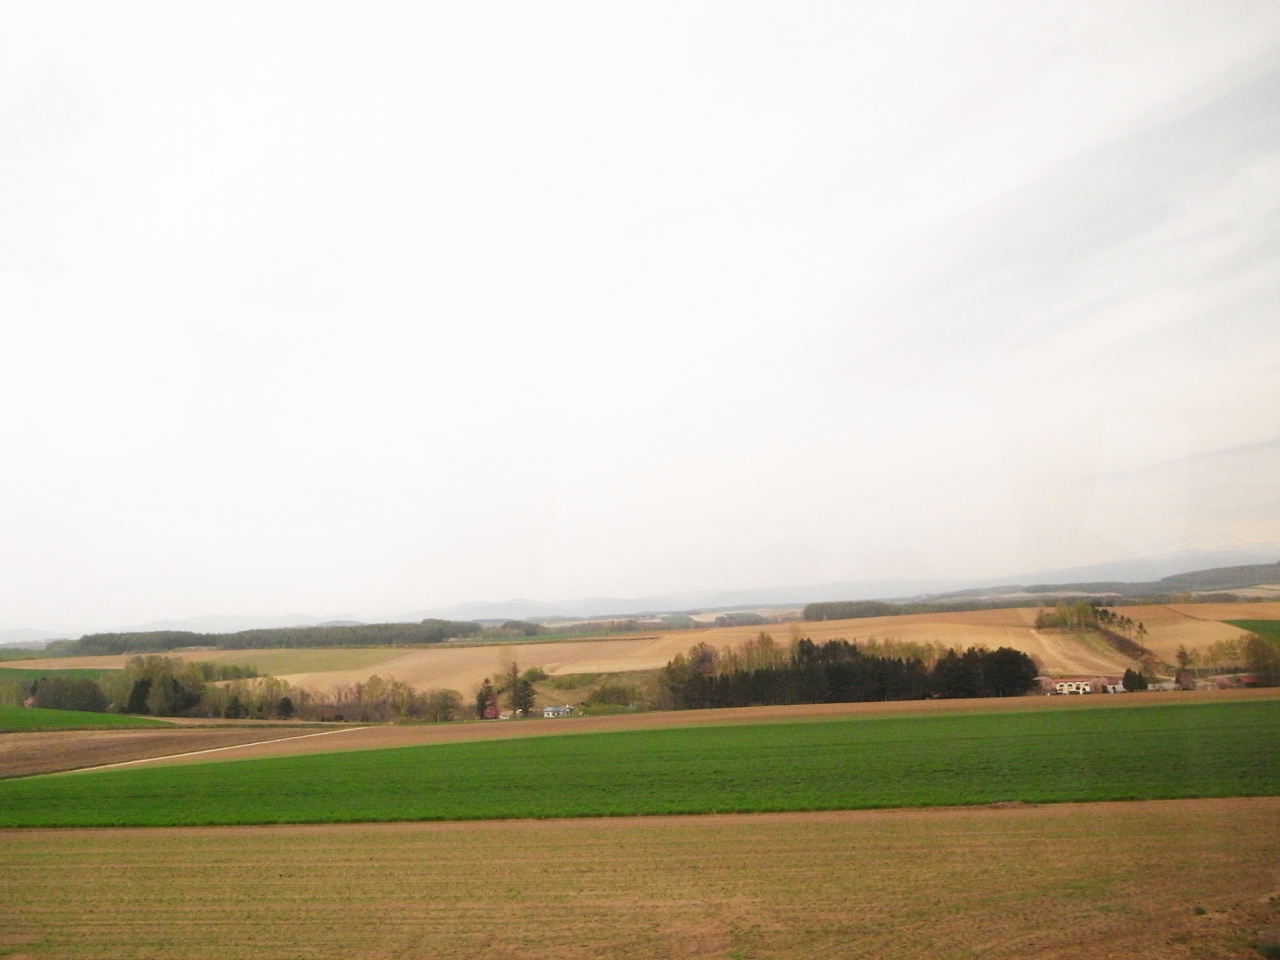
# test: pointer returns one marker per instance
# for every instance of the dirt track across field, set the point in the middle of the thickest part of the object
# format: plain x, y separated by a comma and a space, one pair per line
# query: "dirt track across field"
385, 736
23, 754
1083, 881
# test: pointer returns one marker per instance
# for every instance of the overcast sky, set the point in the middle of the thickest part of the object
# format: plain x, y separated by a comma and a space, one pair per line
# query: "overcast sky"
367, 308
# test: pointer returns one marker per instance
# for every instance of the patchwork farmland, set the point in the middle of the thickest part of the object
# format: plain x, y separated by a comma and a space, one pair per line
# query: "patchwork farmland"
463, 666
1007, 876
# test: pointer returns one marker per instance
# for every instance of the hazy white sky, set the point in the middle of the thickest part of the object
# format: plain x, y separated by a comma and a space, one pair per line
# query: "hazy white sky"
375, 307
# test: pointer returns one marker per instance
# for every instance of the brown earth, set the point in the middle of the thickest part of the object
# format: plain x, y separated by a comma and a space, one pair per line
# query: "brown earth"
25, 753
384, 736
1069, 880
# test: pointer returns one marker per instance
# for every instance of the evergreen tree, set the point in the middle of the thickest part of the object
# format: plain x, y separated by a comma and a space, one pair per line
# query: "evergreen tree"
486, 701
522, 697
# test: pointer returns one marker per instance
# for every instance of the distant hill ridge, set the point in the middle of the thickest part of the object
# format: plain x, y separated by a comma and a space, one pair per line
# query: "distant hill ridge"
883, 595
1218, 578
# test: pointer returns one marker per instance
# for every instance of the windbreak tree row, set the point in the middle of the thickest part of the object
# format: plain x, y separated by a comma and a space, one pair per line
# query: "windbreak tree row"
171, 687
838, 672
357, 635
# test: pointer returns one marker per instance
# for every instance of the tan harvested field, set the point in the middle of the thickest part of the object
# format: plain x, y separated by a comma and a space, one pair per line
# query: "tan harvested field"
1194, 624
25, 753
463, 667
1081, 881
1058, 653
385, 736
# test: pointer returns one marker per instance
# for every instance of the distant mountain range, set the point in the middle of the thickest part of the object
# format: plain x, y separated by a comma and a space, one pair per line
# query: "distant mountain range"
1170, 573
1198, 581
24, 637
1144, 575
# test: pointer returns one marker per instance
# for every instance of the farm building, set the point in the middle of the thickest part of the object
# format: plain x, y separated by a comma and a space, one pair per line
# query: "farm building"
1080, 685
552, 712
1073, 686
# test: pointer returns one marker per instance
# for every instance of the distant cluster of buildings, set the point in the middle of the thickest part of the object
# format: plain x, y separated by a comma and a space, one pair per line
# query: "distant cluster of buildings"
1185, 680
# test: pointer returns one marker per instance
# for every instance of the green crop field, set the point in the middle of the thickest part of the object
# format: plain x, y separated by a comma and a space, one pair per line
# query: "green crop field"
21, 653
33, 718
1264, 628
1200, 750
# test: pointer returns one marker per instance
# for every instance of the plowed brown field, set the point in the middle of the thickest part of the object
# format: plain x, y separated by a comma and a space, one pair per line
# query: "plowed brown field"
23, 754
1079, 881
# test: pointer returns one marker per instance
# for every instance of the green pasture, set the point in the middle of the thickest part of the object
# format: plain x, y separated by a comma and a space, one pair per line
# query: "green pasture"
33, 718
1195, 750
1263, 628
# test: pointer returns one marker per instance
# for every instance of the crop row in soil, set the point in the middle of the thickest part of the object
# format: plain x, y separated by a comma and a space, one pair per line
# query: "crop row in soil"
1169, 880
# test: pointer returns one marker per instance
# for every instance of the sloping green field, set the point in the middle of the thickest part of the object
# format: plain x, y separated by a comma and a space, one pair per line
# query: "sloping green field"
33, 718
1264, 628
1199, 750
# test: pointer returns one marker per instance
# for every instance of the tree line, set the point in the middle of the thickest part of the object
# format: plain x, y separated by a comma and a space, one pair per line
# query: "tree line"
859, 609
1123, 634
1249, 653
837, 671
361, 635
170, 687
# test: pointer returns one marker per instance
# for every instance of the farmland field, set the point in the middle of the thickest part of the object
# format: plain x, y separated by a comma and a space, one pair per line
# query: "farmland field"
463, 666
1193, 625
1264, 628
1082, 881
1195, 750
381, 736
49, 751
33, 718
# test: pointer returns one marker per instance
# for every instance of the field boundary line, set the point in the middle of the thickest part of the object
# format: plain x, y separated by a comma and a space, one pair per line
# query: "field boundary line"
196, 753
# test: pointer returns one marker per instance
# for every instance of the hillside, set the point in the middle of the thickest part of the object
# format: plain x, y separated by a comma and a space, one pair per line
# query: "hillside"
462, 666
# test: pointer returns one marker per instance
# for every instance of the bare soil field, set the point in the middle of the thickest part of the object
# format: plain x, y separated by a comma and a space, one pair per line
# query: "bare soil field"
23, 754
1080, 881
384, 736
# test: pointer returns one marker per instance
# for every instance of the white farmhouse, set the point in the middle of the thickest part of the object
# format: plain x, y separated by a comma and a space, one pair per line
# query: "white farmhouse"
1073, 686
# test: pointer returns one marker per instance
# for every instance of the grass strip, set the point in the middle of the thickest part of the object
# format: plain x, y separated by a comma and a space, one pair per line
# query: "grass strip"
34, 718
1200, 750
1263, 628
